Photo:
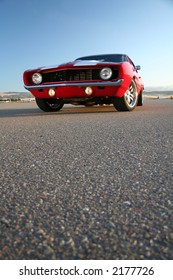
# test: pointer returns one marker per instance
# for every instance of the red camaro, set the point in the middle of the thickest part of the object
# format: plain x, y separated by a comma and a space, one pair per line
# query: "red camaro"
90, 80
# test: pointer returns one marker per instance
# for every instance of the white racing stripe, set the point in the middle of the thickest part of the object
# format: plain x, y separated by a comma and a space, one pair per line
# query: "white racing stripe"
48, 67
85, 62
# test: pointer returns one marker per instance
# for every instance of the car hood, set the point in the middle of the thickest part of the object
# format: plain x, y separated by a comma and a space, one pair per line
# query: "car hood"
78, 63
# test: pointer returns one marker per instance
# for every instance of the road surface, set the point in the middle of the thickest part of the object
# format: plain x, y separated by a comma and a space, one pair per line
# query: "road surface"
86, 183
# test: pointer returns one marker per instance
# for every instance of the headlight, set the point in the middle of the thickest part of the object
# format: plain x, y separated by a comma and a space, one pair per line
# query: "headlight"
37, 78
106, 73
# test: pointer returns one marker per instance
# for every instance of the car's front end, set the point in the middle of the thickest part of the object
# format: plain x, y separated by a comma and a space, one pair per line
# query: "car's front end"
83, 81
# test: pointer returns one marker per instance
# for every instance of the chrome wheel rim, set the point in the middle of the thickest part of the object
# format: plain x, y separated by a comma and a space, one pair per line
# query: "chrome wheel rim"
131, 95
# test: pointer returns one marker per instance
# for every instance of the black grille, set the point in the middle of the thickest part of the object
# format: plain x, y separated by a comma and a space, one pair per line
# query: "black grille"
74, 75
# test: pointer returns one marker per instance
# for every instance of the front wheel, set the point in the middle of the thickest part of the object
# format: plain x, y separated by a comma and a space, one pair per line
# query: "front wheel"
49, 104
129, 101
140, 102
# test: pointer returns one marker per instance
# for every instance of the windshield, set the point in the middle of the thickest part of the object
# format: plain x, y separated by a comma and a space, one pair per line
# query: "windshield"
106, 58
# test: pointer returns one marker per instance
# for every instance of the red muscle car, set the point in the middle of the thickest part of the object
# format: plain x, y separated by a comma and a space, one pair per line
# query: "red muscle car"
90, 80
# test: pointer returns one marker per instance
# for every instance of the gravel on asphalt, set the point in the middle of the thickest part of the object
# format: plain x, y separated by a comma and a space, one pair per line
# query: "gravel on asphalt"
86, 183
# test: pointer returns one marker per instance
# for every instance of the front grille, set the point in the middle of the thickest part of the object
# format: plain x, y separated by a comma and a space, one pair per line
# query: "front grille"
74, 75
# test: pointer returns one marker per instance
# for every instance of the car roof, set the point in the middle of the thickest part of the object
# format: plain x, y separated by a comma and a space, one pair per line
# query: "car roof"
117, 58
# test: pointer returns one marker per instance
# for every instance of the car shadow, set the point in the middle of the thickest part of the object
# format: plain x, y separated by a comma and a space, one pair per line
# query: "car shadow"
29, 112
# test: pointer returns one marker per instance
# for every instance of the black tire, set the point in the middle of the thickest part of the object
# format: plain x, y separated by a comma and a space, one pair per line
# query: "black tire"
49, 104
140, 100
129, 101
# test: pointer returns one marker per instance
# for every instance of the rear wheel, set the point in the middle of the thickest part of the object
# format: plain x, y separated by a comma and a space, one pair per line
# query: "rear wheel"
129, 101
49, 104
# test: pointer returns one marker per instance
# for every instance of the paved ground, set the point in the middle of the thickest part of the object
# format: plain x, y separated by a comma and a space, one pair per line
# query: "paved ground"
86, 183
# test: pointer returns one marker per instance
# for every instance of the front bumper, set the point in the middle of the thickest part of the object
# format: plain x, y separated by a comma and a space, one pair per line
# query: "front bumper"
79, 84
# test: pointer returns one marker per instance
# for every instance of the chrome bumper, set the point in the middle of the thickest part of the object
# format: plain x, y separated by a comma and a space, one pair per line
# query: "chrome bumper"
70, 84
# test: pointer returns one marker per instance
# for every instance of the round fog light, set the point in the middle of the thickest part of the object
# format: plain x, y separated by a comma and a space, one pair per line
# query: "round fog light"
51, 92
88, 90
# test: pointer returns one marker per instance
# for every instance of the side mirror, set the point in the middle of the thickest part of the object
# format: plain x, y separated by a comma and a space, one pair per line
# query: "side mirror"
138, 67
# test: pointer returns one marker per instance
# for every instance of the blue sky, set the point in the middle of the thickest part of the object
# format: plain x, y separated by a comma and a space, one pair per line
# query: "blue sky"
47, 32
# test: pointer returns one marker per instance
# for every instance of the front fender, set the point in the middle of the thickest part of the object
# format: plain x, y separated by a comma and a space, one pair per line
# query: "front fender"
127, 79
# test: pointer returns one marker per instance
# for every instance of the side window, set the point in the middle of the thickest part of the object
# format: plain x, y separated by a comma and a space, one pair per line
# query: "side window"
129, 60
125, 58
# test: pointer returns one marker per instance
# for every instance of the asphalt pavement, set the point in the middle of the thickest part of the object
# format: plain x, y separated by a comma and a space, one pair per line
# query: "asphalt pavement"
86, 183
